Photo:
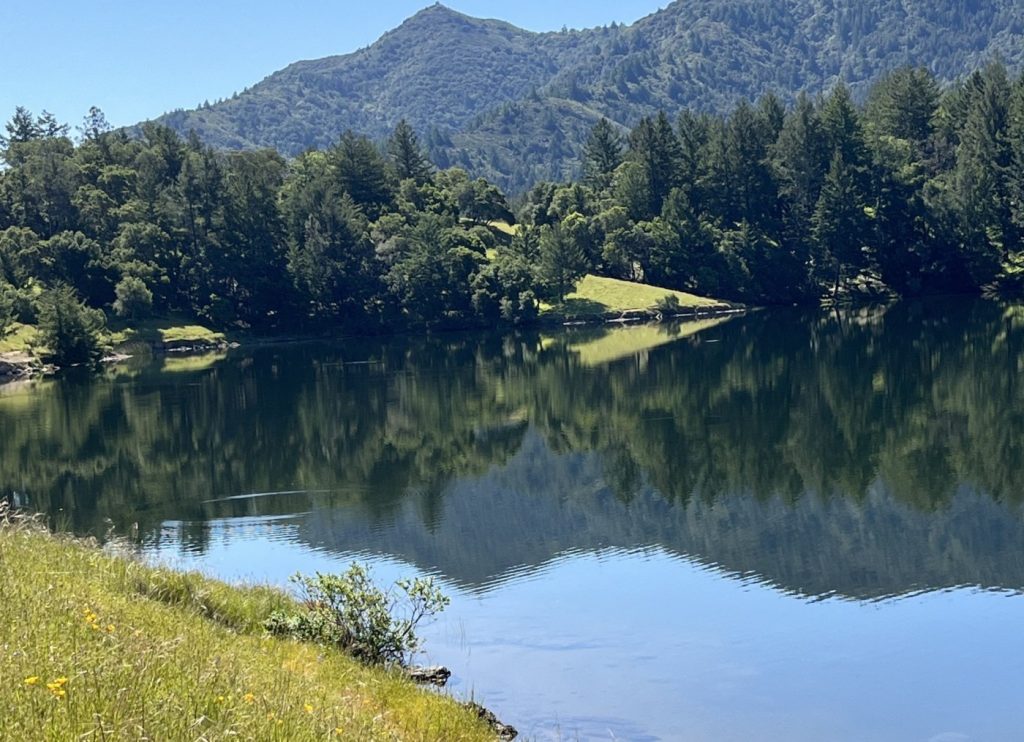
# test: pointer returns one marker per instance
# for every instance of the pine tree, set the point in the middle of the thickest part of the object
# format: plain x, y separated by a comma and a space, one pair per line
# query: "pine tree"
654, 146
407, 154
980, 179
362, 173
840, 224
21, 128
602, 155
562, 261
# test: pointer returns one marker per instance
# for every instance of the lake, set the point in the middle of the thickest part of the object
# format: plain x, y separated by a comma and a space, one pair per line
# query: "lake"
784, 526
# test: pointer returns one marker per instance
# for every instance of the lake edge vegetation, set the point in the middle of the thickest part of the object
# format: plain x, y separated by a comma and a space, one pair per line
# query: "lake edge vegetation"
110, 646
919, 190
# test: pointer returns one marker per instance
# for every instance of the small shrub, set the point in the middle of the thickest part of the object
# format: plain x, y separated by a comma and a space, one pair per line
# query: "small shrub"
668, 305
350, 612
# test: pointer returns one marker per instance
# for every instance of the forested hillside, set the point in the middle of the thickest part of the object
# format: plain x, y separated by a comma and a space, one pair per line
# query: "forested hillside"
917, 191
509, 104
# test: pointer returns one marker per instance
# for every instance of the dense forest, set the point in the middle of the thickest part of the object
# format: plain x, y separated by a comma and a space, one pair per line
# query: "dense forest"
515, 106
918, 191
350, 237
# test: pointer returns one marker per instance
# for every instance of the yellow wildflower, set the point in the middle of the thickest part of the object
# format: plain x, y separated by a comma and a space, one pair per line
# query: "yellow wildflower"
220, 699
34, 680
249, 698
309, 709
110, 628
57, 688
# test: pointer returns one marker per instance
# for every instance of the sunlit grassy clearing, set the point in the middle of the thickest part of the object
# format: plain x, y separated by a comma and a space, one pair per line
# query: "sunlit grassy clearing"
166, 331
503, 227
19, 339
597, 295
102, 647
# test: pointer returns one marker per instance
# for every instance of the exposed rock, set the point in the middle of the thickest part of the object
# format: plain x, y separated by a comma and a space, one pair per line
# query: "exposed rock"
430, 675
17, 366
503, 731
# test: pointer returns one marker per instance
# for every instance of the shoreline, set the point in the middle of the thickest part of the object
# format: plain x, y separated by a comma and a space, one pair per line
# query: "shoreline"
108, 641
25, 366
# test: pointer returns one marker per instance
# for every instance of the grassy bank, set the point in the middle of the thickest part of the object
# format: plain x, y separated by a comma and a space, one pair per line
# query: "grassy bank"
102, 647
19, 339
165, 333
596, 296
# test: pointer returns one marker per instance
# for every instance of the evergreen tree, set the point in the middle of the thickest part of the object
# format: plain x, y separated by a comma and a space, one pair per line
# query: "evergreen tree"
602, 155
362, 173
840, 224
562, 261
656, 150
20, 129
980, 178
407, 155
69, 329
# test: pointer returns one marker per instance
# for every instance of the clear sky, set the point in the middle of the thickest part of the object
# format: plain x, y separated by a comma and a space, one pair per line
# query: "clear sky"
136, 59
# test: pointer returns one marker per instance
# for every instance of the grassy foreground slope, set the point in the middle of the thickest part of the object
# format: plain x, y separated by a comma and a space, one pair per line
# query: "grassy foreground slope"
102, 647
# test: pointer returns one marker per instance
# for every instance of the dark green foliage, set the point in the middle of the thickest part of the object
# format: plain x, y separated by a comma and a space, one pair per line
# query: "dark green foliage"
69, 329
407, 155
563, 260
362, 173
603, 155
917, 191
517, 107
7, 307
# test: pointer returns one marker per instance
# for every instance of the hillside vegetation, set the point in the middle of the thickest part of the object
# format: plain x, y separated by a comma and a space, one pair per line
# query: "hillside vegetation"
514, 106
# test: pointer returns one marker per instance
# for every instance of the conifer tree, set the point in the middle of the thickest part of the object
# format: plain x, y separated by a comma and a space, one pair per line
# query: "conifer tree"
603, 154
407, 155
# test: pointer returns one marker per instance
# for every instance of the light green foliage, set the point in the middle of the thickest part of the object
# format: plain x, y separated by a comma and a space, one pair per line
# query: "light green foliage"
605, 295
134, 299
349, 612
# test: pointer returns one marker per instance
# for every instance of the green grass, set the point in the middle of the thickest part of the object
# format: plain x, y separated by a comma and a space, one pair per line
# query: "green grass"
624, 342
167, 331
595, 296
504, 227
98, 646
19, 339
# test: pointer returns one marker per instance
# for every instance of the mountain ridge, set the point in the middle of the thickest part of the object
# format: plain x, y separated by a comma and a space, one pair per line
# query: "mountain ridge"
461, 81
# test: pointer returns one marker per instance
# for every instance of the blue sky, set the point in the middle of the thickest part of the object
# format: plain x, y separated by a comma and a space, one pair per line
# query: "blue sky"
137, 59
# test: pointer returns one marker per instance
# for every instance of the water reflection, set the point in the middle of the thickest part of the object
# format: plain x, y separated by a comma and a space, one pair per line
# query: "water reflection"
665, 533
866, 456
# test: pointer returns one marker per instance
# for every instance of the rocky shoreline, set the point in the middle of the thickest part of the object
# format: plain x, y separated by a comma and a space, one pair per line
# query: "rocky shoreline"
21, 367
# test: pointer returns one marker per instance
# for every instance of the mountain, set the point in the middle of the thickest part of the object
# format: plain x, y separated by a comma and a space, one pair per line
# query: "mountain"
515, 106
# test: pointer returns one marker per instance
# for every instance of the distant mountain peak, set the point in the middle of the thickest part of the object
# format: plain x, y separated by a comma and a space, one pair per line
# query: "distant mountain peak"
515, 106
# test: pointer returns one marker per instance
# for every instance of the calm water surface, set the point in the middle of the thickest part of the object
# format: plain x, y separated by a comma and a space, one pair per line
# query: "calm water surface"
779, 527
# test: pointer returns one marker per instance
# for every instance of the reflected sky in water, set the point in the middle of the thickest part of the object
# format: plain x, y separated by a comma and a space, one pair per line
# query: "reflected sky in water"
781, 527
